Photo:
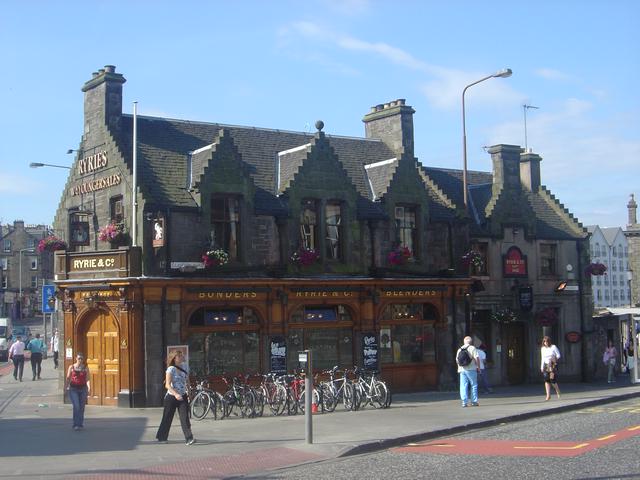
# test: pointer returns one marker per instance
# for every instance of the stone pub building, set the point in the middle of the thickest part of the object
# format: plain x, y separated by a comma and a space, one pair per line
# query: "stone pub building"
247, 245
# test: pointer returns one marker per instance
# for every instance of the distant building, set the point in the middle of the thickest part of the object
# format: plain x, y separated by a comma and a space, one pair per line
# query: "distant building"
21, 261
632, 234
608, 246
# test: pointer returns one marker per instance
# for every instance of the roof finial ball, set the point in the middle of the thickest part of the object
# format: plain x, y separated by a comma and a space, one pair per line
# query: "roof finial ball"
319, 125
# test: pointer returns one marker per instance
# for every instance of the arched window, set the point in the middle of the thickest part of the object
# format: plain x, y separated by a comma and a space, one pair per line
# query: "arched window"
327, 330
407, 333
224, 341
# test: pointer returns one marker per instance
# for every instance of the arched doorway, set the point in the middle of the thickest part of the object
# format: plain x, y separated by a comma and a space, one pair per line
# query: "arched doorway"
100, 342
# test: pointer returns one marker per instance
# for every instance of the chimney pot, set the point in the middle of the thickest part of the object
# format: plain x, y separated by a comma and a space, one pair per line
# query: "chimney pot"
386, 105
379, 107
373, 109
401, 101
110, 68
392, 103
94, 74
101, 71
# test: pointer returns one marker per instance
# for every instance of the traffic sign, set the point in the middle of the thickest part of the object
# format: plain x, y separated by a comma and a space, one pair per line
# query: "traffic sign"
48, 298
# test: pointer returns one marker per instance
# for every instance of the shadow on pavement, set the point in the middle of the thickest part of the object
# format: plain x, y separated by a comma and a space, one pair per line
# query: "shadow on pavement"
33, 437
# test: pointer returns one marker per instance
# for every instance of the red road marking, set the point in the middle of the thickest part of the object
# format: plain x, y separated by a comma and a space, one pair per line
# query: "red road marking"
518, 448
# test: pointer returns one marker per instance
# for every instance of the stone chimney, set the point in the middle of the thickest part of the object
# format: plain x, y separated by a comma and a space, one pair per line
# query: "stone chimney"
393, 124
506, 167
632, 207
103, 99
530, 171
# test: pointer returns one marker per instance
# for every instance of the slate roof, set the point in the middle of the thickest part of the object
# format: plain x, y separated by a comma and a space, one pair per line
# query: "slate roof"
549, 223
273, 157
164, 146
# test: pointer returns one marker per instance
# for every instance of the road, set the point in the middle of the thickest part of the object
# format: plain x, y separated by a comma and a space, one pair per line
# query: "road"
593, 443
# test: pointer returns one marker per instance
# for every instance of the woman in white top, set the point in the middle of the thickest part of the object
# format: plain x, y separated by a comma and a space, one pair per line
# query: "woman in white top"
549, 356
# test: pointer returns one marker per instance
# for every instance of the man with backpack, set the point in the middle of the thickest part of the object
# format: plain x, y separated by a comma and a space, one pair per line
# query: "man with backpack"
468, 367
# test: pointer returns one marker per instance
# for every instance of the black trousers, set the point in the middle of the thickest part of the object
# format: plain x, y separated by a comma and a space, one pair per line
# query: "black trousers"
170, 407
55, 359
18, 366
36, 364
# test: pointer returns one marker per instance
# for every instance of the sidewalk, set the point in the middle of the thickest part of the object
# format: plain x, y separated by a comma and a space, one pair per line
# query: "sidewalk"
38, 442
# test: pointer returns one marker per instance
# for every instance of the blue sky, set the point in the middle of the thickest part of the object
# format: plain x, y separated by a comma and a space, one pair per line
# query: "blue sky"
286, 64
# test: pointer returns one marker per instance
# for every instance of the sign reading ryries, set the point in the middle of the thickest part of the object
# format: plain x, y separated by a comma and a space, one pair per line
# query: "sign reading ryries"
514, 263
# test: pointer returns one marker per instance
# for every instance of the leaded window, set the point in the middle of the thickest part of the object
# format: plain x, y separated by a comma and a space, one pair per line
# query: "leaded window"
225, 225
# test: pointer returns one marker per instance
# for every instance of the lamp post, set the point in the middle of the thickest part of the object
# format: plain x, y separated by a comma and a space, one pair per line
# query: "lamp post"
499, 74
38, 165
20, 277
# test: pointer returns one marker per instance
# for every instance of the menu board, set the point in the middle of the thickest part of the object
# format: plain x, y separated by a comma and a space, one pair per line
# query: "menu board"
278, 354
370, 351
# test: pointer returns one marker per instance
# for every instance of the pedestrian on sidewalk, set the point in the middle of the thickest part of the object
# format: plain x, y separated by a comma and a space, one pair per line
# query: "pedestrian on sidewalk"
16, 354
55, 346
36, 346
631, 362
609, 359
482, 360
176, 379
468, 368
549, 356
78, 384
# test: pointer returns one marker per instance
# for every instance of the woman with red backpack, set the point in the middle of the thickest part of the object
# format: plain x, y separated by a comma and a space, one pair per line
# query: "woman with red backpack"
78, 384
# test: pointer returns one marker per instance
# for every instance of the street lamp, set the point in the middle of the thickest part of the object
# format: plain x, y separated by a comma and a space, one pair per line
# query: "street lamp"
499, 74
38, 165
31, 250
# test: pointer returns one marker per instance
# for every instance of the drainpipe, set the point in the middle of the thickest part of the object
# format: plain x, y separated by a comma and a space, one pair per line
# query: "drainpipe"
583, 344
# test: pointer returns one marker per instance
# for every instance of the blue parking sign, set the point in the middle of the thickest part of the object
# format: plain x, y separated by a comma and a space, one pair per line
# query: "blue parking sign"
48, 292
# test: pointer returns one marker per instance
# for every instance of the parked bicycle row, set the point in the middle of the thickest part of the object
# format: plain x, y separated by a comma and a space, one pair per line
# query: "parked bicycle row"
248, 396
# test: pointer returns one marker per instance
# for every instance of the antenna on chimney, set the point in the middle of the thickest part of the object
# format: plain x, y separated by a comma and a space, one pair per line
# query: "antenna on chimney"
525, 107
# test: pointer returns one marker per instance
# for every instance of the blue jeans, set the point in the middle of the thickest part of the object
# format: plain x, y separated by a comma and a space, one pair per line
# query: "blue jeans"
469, 377
78, 397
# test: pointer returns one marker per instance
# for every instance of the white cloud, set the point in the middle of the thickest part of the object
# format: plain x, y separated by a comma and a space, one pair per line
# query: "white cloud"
443, 90
551, 74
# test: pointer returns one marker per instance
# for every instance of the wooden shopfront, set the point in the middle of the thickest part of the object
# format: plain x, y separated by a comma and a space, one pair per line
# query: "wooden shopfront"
124, 324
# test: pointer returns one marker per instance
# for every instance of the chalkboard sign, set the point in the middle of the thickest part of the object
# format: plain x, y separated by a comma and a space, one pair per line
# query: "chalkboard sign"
370, 351
278, 349
525, 295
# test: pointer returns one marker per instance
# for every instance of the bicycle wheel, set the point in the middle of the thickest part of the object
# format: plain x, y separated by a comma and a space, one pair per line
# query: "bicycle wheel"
302, 399
216, 405
379, 394
230, 402
247, 403
328, 396
260, 394
200, 406
277, 399
348, 396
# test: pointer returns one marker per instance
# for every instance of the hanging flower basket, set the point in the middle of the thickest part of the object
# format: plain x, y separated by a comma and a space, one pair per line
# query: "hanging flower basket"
305, 257
547, 317
596, 269
473, 258
504, 315
51, 244
399, 256
215, 258
112, 233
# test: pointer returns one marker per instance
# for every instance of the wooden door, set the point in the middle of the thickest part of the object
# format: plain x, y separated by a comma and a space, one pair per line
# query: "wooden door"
516, 358
102, 347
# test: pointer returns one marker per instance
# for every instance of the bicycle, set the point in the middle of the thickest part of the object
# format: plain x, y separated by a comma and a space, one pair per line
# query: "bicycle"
206, 400
371, 391
336, 389
241, 396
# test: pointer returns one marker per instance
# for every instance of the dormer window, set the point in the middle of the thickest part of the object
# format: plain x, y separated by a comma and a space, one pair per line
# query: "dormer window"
333, 226
406, 230
309, 225
225, 225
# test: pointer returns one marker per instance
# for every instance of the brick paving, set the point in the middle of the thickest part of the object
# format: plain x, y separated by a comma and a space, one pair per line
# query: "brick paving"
215, 467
